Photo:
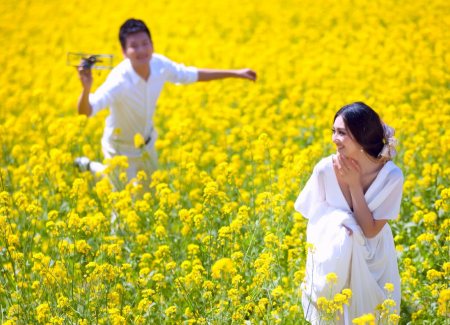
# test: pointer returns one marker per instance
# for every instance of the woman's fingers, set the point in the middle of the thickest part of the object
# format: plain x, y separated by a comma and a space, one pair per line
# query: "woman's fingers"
349, 230
337, 166
343, 165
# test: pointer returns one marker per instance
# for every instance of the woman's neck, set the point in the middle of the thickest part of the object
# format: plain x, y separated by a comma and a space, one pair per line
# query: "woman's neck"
368, 164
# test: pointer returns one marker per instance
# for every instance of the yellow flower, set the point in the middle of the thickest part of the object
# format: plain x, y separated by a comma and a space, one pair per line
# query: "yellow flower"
389, 287
57, 320
277, 292
13, 240
340, 298
430, 219
63, 302
426, 237
389, 303
444, 302
42, 312
347, 292
160, 231
210, 190
82, 247
139, 141
364, 319
394, 319
223, 268
271, 239
294, 309
434, 275
144, 305
446, 267
171, 312
331, 278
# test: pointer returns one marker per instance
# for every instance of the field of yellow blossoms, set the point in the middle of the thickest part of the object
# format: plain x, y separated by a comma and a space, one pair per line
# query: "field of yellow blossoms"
212, 237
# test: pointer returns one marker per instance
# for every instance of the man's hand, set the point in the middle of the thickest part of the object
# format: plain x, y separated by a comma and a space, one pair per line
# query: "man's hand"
246, 74
85, 77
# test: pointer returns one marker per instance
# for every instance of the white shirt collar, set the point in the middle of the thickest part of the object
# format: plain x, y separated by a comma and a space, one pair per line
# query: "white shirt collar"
133, 74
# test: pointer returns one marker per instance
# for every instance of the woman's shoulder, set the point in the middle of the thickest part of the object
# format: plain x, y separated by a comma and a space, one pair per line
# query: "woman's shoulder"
392, 170
324, 164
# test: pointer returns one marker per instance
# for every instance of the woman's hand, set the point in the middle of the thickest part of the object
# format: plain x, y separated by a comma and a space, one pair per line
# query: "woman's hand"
348, 230
347, 170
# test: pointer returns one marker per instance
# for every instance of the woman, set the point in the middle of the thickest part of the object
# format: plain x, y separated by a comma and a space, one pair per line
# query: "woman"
348, 200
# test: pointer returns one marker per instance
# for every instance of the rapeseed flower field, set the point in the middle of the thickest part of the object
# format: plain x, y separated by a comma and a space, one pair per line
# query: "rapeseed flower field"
212, 237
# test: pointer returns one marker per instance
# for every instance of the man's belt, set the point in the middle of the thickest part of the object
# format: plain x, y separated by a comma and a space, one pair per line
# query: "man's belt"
147, 141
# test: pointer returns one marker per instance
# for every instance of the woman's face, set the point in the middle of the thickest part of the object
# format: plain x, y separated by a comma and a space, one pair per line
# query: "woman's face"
343, 139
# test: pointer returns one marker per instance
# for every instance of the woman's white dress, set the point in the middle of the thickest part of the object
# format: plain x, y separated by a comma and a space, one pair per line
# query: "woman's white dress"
362, 264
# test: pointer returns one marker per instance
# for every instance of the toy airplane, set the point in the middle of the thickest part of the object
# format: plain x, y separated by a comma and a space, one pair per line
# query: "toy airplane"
90, 61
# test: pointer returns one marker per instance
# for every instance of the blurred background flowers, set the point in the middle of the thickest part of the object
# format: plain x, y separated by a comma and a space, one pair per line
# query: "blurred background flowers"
212, 237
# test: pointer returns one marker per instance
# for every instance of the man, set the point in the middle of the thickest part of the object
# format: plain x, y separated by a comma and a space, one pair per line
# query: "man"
131, 92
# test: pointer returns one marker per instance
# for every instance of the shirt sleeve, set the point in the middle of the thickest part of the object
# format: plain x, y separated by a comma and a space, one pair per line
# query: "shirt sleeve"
180, 74
312, 197
102, 97
386, 203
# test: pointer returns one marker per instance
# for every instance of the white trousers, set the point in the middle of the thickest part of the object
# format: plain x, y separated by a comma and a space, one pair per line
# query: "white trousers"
147, 160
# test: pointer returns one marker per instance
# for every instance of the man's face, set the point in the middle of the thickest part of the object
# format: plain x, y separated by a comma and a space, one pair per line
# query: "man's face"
138, 48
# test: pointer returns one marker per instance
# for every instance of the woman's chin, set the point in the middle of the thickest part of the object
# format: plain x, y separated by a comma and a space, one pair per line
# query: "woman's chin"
340, 151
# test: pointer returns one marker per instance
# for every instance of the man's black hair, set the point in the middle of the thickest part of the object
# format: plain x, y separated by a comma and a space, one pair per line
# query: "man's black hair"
132, 26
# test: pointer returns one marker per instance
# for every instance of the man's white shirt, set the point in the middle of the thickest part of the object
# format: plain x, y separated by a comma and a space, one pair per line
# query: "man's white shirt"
132, 101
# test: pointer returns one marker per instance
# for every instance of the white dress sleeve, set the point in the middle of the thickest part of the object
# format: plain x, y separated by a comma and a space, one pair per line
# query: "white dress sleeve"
385, 203
311, 200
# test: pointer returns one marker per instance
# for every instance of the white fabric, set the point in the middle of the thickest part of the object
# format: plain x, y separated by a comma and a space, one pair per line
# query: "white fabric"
132, 101
362, 264
148, 162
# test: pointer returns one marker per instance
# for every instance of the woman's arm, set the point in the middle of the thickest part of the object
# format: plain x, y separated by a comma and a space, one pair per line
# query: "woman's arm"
363, 215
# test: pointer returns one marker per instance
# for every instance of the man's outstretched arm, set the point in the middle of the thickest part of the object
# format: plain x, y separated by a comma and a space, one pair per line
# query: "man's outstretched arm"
215, 74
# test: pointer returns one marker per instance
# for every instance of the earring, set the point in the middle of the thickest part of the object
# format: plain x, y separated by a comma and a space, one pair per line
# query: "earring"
362, 150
